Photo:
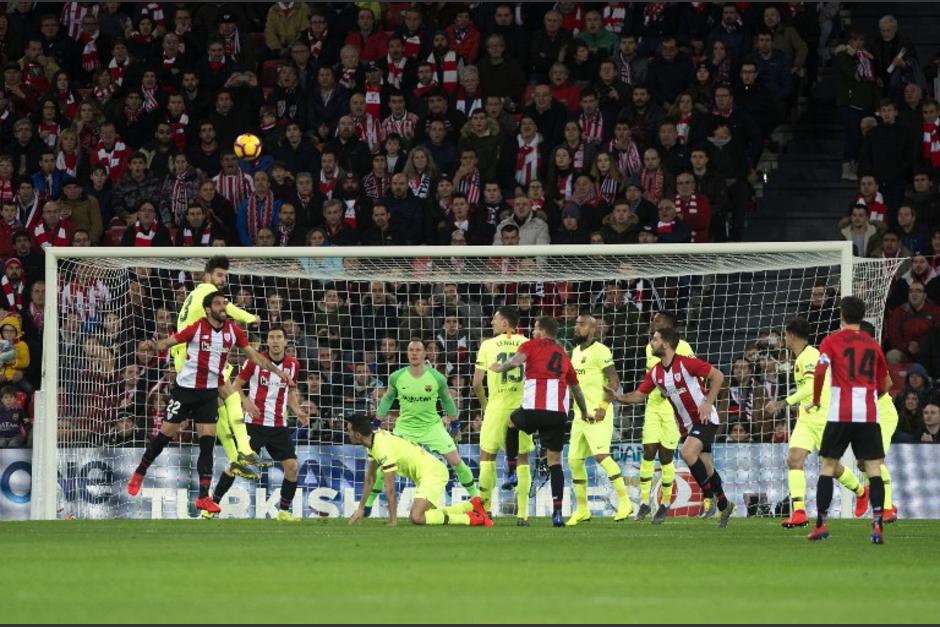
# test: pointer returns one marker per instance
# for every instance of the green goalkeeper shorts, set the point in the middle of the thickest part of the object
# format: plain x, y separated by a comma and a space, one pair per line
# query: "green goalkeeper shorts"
434, 438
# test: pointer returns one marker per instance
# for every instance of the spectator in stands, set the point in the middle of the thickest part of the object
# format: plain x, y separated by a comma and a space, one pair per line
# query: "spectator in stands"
621, 225
146, 230
787, 39
407, 211
284, 24
29, 255
670, 228
136, 185
774, 71
259, 210
547, 44
732, 32
907, 325
913, 235
531, 229
52, 230
729, 162
924, 199
858, 229
931, 430
670, 73
693, 208
910, 417
895, 56
891, 248
887, 152
14, 423
856, 96
83, 210
14, 353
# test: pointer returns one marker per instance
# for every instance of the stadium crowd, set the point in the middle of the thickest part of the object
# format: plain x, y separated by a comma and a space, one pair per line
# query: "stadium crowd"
405, 124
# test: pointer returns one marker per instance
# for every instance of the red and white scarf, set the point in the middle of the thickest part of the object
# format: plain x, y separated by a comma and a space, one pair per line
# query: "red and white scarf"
412, 46
577, 156
565, 186
52, 129
687, 208
614, 16
664, 227
34, 76
592, 127
178, 129
682, 128
315, 44
403, 126
447, 69
628, 159
932, 143
626, 72
72, 15
653, 12
179, 200
373, 94
28, 215
652, 183
607, 188
41, 234
351, 213
328, 184
420, 185
348, 77
111, 159
66, 162
528, 160
260, 214
470, 185
91, 60
468, 105
155, 12
7, 193
396, 71
118, 70
232, 46
103, 94
13, 294
189, 236
376, 187
84, 299
877, 209
142, 238
572, 21
67, 104
863, 65
368, 130
150, 99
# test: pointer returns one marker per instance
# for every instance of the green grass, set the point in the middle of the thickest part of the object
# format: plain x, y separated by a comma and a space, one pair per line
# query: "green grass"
323, 571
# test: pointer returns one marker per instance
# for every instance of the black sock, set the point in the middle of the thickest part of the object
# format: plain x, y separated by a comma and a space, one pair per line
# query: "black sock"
222, 485
876, 486
558, 486
512, 449
701, 477
824, 499
715, 484
204, 463
154, 448
288, 488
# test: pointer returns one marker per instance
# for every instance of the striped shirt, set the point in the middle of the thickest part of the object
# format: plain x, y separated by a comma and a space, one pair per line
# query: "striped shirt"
858, 371
269, 391
681, 385
548, 373
206, 353
235, 188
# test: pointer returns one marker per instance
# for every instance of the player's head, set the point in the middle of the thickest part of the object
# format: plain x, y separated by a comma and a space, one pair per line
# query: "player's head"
417, 354
217, 271
585, 326
359, 428
851, 310
277, 341
664, 340
545, 326
214, 305
867, 327
796, 333
505, 320
662, 320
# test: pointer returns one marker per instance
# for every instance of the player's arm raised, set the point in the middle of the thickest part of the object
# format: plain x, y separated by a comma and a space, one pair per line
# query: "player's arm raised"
260, 360
238, 314
369, 481
715, 380
180, 337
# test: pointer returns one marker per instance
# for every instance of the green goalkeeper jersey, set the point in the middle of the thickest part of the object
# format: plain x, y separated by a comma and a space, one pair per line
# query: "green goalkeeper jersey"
417, 400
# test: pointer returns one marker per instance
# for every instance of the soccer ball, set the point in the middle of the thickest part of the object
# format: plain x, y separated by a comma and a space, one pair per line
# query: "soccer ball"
247, 146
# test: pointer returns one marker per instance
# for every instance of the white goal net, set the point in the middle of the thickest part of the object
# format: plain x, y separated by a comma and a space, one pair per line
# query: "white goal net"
348, 318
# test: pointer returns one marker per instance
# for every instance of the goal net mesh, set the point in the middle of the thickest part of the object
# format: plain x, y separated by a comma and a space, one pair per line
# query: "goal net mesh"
348, 320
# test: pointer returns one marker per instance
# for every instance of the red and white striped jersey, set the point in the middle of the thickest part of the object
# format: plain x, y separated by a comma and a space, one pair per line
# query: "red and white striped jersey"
206, 353
235, 188
548, 373
269, 391
681, 385
859, 370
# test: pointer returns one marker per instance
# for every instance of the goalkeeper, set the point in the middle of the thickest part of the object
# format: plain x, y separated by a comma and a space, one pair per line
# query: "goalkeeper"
418, 388
230, 427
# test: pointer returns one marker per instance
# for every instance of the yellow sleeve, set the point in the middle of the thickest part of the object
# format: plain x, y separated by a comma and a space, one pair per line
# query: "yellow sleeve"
684, 349
483, 355
805, 373
603, 358
192, 310
238, 314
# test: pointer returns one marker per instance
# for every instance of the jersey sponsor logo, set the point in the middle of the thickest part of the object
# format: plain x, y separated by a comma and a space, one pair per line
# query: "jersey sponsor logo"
416, 399
428, 388
584, 359
205, 346
227, 336
677, 376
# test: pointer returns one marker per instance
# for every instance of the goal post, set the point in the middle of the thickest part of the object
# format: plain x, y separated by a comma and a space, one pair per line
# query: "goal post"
732, 301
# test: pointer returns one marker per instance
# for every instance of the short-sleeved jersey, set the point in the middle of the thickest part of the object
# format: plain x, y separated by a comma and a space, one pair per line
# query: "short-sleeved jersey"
548, 373
656, 400
417, 398
207, 351
268, 391
395, 454
858, 369
504, 389
804, 373
589, 364
681, 384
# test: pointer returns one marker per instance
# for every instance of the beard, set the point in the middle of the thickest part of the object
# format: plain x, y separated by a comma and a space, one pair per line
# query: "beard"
578, 339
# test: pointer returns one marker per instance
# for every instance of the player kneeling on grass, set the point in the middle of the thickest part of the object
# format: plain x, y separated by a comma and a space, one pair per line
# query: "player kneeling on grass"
395, 455
267, 419
679, 379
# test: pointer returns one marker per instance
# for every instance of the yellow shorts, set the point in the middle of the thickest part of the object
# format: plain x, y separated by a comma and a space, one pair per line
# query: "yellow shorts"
807, 434
887, 432
493, 431
431, 485
590, 438
659, 427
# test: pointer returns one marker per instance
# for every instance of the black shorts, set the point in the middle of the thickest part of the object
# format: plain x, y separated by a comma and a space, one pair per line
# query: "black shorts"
200, 406
275, 439
704, 432
865, 438
550, 426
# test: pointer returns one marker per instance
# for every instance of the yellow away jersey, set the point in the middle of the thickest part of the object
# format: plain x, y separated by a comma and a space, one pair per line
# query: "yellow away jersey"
192, 310
590, 363
804, 375
656, 400
395, 454
504, 389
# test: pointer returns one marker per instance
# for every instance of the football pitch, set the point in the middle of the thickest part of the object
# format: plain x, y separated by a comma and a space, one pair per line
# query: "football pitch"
322, 571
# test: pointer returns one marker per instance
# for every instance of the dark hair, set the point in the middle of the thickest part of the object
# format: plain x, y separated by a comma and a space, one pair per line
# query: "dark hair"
867, 327
548, 325
798, 327
8, 390
215, 263
360, 423
211, 296
670, 336
510, 314
668, 316
852, 309
277, 327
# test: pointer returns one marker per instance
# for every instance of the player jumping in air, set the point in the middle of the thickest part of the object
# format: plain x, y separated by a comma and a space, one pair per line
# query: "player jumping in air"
594, 364
195, 393
395, 455
267, 427
679, 379
859, 377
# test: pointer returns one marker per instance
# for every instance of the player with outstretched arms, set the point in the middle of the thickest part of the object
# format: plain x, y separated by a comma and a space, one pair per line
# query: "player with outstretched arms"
267, 420
195, 393
502, 396
859, 376
679, 378
591, 435
549, 376
397, 456
230, 426
807, 433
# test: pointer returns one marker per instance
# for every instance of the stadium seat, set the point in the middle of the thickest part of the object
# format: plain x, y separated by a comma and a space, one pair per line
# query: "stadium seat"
112, 237
268, 77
